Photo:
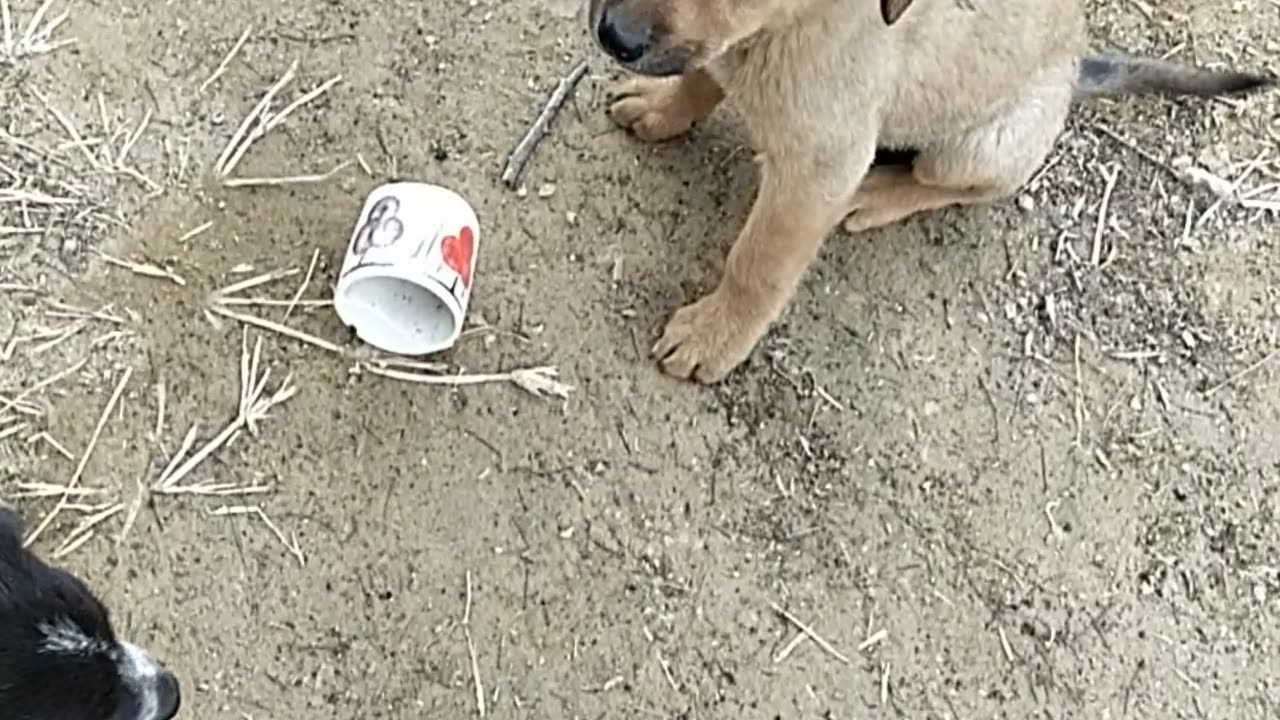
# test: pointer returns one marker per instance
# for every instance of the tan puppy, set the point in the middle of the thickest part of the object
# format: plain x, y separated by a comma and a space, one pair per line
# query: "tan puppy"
978, 89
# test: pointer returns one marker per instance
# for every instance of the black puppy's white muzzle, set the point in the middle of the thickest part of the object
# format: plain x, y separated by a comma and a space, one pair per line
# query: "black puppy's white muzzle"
156, 692
168, 696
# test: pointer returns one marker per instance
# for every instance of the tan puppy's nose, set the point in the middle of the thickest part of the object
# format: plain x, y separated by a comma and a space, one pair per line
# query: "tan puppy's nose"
622, 37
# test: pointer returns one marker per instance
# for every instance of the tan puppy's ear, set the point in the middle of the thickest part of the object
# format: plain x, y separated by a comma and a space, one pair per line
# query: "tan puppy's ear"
891, 10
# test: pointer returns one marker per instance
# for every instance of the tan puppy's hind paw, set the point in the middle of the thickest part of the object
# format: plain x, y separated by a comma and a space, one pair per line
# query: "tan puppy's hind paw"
866, 219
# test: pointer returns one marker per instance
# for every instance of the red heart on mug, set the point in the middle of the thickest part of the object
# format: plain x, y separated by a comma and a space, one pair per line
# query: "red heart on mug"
456, 251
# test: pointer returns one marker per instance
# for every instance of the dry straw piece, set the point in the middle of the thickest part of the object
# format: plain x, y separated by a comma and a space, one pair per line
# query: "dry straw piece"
74, 482
146, 269
259, 122
17, 400
254, 407
471, 652
290, 543
283, 180
226, 61
811, 633
538, 381
85, 530
43, 490
37, 39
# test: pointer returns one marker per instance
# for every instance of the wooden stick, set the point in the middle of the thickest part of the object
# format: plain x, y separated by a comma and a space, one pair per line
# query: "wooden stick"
524, 150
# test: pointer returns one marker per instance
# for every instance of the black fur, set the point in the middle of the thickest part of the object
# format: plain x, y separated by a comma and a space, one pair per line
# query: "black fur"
37, 683
887, 157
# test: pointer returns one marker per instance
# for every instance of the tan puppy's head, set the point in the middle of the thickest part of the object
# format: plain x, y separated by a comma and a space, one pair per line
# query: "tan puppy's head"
667, 37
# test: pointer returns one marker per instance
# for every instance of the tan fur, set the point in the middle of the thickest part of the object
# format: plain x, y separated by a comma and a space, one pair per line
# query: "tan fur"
980, 88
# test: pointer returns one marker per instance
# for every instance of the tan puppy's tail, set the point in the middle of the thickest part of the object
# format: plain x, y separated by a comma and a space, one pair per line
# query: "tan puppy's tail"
1111, 75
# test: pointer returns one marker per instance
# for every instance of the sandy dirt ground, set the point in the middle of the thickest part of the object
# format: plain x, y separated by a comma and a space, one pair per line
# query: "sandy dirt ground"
1000, 479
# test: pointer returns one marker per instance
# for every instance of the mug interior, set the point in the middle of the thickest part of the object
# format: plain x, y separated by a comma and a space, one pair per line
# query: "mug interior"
398, 316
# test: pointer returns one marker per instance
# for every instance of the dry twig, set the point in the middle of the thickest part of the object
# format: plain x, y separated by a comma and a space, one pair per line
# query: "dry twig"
524, 150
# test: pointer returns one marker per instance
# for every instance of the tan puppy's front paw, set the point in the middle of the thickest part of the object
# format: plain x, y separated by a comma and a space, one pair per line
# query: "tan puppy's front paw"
707, 339
654, 109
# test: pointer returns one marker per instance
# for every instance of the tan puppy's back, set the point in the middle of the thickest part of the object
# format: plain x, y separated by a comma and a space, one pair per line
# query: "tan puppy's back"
959, 64
946, 65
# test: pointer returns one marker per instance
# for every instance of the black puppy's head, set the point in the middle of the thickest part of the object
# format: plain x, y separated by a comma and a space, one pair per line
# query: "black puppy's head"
59, 657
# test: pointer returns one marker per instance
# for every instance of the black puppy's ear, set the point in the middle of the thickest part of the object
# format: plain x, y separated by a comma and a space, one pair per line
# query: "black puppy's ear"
891, 10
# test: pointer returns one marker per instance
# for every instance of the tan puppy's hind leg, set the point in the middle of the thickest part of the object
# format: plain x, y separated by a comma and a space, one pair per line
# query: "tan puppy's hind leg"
893, 194
657, 109
985, 164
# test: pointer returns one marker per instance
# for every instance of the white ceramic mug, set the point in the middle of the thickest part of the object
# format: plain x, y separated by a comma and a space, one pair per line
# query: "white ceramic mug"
406, 280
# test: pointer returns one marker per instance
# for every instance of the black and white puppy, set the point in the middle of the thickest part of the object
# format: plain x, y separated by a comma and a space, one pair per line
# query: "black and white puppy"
59, 657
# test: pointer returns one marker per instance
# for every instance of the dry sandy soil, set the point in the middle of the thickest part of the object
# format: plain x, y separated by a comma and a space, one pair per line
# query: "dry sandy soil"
1001, 479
